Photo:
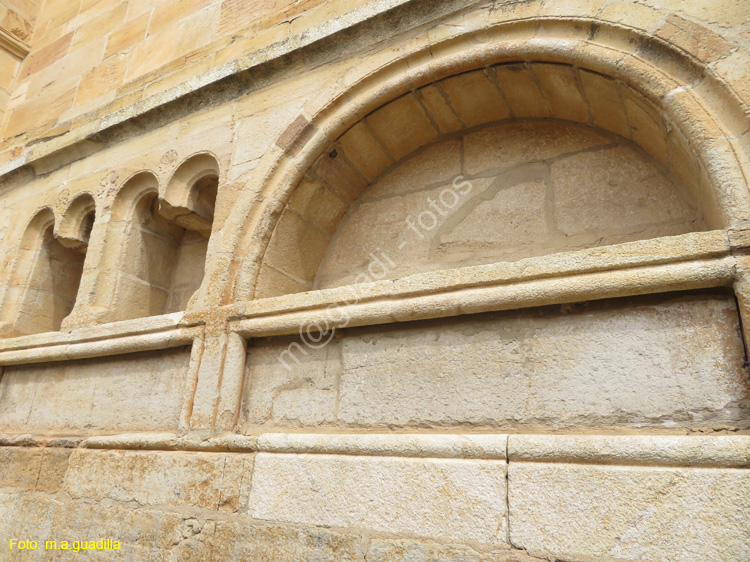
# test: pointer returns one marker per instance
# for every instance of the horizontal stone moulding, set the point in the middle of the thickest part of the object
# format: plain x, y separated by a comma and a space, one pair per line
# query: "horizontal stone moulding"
491, 446
138, 326
336, 310
101, 348
721, 451
172, 442
693, 246
725, 451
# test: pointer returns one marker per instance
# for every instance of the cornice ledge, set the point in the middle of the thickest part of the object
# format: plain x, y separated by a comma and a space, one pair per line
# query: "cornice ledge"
14, 45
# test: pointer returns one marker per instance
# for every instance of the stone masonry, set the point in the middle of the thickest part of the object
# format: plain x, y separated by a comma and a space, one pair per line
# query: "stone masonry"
374, 280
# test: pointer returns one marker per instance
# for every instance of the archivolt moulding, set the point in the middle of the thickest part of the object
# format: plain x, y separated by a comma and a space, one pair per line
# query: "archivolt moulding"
693, 101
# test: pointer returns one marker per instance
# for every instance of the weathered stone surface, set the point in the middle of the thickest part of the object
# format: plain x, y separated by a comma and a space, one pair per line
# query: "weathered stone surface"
459, 500
505, 192
289, 391
633, 128
543, 371
579, 512
33, 469
222, 540
633, 193
137, 392
215, 481
143, 534
635, 362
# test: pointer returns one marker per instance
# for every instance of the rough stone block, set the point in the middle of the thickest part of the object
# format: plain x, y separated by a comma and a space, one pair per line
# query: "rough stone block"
433, 99
291, 384
296, 247
215, 481
457, 500
142, 391
590, 194
521, 91
604, 102
318, 204
230, 540
559, 85
669, 363
506, 145
436, 164
402, 126
646, 123
581, 512
475, 98
364, 152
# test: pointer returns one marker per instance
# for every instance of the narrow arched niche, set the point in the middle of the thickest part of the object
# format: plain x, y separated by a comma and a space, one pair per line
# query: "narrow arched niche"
190, 201
165, 239
53, 274
559, 158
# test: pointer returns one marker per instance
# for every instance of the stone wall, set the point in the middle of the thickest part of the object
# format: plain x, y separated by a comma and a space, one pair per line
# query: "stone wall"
386, 280
670, 363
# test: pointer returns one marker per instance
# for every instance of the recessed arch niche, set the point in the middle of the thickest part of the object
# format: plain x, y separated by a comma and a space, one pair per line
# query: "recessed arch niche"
47, 275
559, 157
162, 239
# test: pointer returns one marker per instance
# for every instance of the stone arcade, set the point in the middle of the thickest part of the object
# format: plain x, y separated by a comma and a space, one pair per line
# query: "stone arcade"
385, 280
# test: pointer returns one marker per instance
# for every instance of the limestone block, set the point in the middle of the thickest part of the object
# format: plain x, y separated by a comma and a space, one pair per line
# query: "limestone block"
402, 126
669, 363
475, 98
339, 175
559, 85
144, 534
581, 512
517, 214
422, 445
436, 164
99, 80
296, 247
318, 204
33, 469
256, 132
646, 123
20, 467
364, 152
127, 35
591, 194
635, 15
136, 298
734, 69
572, 7
273, 283
605, 104
718, 451
298, 386
141, 391
229, 540
695, 38
215, 481
458, 500
437, 107
151, 53
684, 163
506, 145
520, 90
381, 225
